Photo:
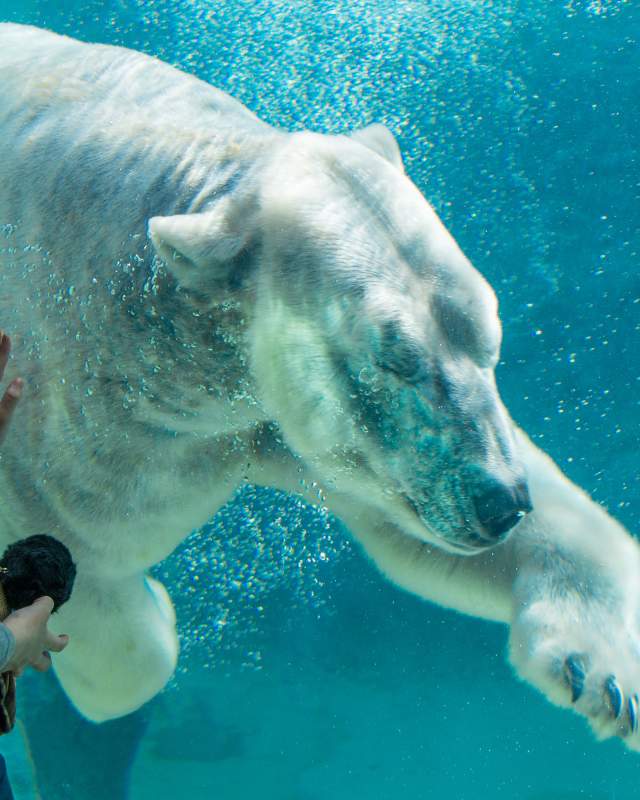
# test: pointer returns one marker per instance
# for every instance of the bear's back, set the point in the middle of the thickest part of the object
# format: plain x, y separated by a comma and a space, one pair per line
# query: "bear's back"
96, 139
43, 67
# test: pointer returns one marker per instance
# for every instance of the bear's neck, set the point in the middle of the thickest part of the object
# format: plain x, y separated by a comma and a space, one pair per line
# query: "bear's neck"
190, 371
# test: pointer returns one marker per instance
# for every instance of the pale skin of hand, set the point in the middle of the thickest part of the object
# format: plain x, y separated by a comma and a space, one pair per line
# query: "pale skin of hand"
29, 625
14, 390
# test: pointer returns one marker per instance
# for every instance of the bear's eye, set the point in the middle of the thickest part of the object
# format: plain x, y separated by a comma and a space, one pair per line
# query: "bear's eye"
461, 329
401, 356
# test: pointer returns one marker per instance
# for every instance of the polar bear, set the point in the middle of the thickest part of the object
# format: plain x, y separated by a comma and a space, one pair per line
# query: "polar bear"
197, 300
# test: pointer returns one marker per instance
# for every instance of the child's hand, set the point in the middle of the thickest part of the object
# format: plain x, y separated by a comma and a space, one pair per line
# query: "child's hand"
14, 390
33, 639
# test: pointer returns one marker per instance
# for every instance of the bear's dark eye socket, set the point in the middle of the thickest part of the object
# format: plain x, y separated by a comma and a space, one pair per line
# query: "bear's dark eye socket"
400, 356
461, 329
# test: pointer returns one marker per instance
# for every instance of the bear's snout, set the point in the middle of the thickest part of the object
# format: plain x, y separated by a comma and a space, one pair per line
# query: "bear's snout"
501, 507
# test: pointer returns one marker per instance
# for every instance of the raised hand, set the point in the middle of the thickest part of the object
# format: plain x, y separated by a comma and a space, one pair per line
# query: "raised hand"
33, 639
14, 390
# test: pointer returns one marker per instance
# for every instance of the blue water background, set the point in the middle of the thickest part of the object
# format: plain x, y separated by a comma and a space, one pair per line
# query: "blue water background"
304, 675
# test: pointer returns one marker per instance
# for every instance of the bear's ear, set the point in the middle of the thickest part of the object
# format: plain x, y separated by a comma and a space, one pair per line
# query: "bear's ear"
202, 250
380, 139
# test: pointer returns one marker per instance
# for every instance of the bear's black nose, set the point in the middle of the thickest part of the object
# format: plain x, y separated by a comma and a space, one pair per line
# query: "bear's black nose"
501, 507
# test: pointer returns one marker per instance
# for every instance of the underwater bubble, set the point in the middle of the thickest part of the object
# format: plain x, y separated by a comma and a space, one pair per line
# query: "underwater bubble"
222, 576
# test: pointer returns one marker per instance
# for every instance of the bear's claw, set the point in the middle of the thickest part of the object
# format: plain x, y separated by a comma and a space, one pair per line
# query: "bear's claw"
615, 694
575, 674
632, 705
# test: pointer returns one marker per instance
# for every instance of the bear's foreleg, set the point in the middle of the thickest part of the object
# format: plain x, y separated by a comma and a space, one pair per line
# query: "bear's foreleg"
567, 581
575, 631
123, 645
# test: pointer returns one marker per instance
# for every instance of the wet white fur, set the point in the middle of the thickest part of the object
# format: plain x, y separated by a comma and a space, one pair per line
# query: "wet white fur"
123, 468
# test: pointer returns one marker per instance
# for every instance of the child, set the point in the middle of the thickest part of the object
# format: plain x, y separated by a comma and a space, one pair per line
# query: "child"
25, 640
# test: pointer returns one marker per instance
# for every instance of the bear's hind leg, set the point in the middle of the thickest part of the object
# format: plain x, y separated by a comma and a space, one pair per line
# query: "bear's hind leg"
123, 644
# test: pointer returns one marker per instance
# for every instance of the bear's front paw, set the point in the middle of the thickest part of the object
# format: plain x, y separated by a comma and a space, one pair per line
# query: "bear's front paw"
585, 657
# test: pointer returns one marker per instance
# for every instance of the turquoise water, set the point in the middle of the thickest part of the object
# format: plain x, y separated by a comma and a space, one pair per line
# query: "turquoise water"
304, 675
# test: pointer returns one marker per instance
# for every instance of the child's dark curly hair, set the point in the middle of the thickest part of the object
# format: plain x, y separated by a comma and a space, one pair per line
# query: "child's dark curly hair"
36, 566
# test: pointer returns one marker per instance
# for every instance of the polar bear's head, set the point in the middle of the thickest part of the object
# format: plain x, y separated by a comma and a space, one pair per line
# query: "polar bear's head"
374, 342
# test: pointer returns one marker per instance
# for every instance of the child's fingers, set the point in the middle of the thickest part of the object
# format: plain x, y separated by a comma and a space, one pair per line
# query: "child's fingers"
5, 348
9, 402
42, 662
56, 643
